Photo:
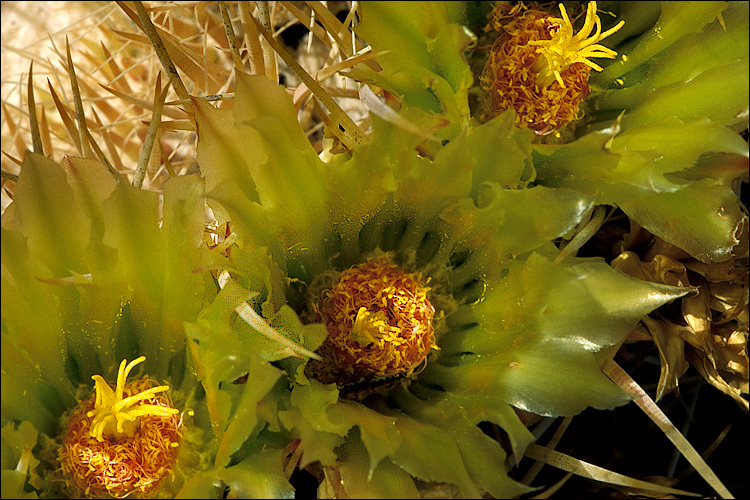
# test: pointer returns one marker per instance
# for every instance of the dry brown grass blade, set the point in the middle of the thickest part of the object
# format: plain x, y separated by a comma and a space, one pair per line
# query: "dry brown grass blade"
269, 51
9, 175
336, 114
553, 442
167, 163
622, 379
255, 51
46, 137
307, 21
554, 488
102, 158
83, 131
707, 453
111, 148
231, 38
65, 117
13, 159
14, 132
36, 136
160, 49
334, 27
591, 471
153, 129
115, 68
175, 125
332, 127
144, 104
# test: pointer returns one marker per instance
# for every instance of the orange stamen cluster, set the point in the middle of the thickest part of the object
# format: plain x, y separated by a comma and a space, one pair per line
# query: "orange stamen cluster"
379, 324
538, 67
110, 465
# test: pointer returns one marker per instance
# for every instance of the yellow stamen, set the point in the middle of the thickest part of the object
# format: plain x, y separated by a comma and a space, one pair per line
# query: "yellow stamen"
539, 67
121, 441
379, 322
565, 48
112, 411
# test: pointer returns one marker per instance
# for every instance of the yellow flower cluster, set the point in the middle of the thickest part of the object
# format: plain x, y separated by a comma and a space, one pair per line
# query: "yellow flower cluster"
538, 67
379, 322
120, 441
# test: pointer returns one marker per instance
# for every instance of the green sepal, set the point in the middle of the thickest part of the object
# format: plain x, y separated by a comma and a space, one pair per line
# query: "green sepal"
704, 218
430, 453
708, 49
650, 170
425, 64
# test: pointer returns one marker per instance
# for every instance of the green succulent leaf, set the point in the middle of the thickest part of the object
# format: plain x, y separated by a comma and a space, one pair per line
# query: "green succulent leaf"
361, 481
703, 218
430, 453
708, 49
425, 63
18, 464
258, 476
481, 454
676, 20
531, 341
646, 171
261, 377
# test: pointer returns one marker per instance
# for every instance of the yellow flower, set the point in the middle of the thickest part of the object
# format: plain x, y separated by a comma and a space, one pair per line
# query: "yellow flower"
122, 441
538, 67
379, 322
565, 49
112, 408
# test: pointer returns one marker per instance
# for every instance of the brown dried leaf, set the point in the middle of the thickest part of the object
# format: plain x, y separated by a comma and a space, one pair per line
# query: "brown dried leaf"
696, 310
720, 271
729, 300
732, 354
735, 389
661, 247
661, 269
671, 348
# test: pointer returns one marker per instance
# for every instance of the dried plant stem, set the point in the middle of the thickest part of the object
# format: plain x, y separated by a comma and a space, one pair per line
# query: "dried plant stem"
8, 175
591, 471
537, 467
308, 21
585, 234
65, 117
257, 64
338, 116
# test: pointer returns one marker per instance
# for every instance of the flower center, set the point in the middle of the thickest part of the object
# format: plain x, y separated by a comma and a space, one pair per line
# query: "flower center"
122, 441
379, 323
539, 67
